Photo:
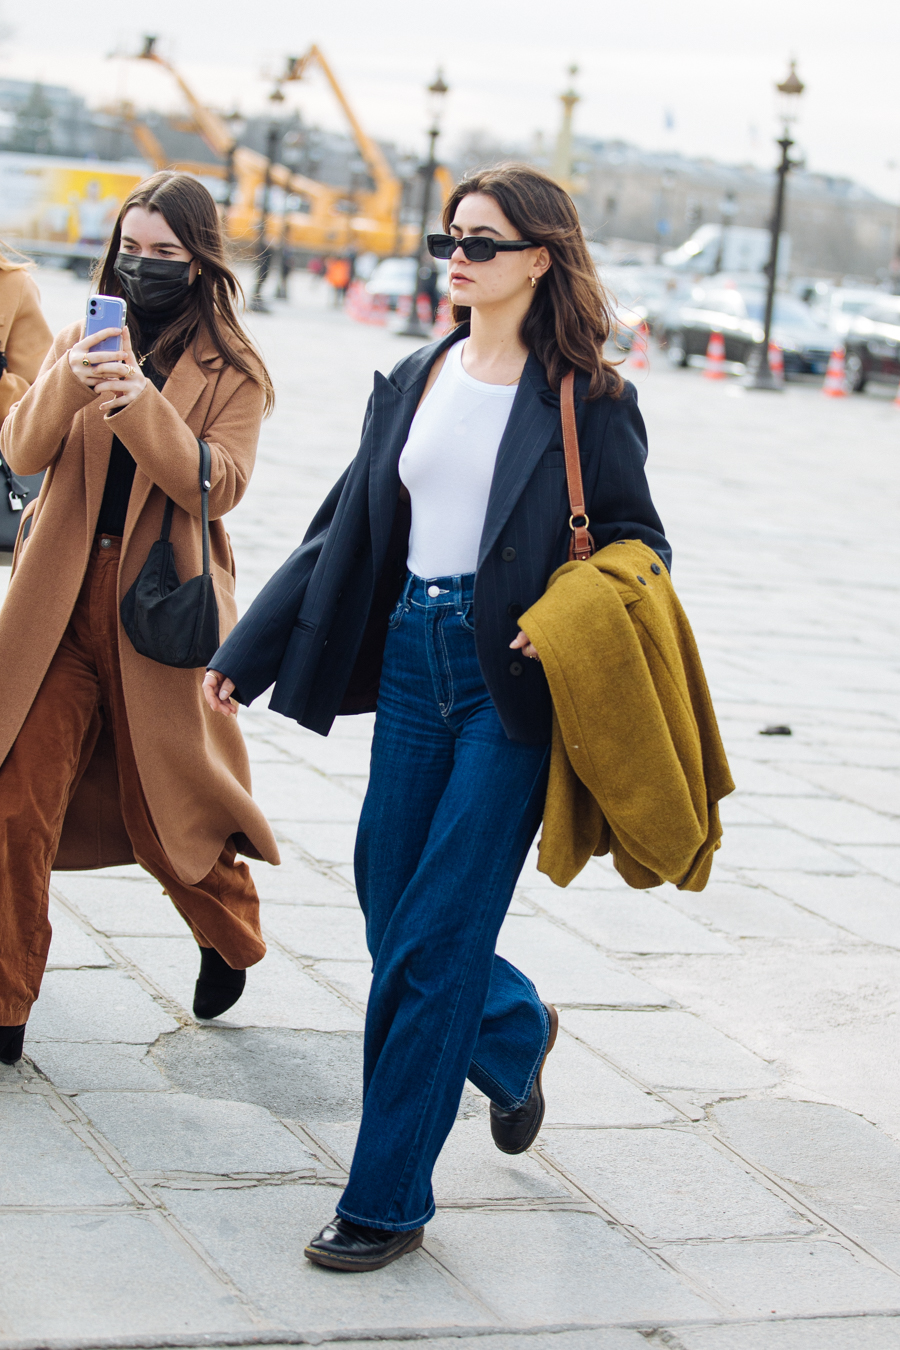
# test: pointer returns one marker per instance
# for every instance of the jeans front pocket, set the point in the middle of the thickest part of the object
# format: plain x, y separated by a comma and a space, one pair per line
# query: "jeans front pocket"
467, 617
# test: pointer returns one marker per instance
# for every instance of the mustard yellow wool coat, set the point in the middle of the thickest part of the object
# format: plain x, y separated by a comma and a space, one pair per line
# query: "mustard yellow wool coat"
193, 763
637, 764
24, 336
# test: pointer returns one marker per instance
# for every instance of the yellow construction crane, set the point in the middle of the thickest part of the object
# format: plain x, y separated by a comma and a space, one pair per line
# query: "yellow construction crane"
329, 219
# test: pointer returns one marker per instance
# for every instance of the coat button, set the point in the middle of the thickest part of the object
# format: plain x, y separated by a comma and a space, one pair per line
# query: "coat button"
508, 555
514, 611
105, 543
655, 569
642, 581
516, 668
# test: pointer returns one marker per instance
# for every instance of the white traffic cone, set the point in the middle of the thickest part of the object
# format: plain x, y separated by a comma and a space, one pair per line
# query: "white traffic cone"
835, 385
715, 358
637, 357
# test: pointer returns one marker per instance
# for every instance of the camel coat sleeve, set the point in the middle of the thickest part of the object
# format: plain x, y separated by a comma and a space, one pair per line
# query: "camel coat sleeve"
37, 426
24, 336
165, 448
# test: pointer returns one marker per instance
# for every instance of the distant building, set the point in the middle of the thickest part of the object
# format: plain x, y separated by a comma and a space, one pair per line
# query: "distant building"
837, 228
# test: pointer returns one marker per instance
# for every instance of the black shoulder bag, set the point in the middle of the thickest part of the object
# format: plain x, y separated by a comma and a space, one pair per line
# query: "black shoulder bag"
14, 493
175, 624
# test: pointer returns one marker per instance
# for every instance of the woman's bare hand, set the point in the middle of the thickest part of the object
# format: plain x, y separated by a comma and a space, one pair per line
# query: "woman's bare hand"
217, 690
520, 643
124, 381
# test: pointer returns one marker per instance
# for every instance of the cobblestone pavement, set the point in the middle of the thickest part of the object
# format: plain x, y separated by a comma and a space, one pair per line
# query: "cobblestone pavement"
719, 1167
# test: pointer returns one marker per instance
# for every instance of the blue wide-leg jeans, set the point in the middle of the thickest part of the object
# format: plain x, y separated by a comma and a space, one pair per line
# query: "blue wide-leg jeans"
450, 813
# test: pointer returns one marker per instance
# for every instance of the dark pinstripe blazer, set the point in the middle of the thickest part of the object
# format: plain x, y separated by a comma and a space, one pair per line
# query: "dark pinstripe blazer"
317, 629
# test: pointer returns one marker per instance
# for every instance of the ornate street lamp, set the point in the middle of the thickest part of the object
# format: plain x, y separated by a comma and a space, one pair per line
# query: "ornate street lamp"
426, 273
263, 252
789, 92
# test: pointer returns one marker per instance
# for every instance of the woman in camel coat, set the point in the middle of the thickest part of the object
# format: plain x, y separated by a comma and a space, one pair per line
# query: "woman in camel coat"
108, 757
24, 336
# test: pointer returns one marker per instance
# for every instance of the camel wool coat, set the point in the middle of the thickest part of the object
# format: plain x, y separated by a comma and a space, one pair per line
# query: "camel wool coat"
24, 336
637, 764
193, 764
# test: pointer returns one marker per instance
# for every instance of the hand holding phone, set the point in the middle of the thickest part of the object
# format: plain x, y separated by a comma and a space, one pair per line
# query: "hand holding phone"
105, 311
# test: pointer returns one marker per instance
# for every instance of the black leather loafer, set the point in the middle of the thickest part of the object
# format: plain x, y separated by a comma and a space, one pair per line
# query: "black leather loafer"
218, 987
342, 1245
515, 1131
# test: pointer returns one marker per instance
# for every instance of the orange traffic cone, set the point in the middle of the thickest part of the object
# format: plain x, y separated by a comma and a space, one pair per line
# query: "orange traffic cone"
835, 385
776, 362
715, 358
897, 399
637, 357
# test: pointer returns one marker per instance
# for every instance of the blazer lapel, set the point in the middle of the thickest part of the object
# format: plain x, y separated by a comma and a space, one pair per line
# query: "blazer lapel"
531, 426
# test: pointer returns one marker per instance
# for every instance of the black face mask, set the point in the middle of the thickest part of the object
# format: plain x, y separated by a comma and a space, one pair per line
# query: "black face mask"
153, 285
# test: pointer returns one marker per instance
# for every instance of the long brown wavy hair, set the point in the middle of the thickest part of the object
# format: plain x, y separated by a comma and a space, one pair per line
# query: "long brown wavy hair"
571, 315
211, 309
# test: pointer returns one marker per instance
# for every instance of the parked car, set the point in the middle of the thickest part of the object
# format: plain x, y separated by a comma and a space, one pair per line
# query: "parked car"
396, 277
872, 348
737, 312
843, 305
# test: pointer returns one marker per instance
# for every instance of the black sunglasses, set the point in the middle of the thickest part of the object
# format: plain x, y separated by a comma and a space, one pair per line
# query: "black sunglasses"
476, 247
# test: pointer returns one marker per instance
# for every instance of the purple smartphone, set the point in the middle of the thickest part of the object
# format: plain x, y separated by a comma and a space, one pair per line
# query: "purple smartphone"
105, 311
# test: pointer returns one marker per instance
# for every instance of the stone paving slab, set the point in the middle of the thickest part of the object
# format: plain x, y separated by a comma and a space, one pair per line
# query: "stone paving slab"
582, 1089
845, 1167
120, 906
96, 1005
303, 1075
670, 1049
631, 921
671, 1185
838, 1333
566, 968
319, 931
796, 1278
752, 911
865, 905
469, 1168
557, 1268
71, 948
73, 1066
83, 1276
257, 1236
176, 1131
44, 1163
286, 997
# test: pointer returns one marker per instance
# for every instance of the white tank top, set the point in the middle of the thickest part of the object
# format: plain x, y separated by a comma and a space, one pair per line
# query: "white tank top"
447, 465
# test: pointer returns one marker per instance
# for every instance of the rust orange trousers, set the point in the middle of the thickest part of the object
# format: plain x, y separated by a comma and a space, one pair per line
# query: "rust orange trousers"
81, 693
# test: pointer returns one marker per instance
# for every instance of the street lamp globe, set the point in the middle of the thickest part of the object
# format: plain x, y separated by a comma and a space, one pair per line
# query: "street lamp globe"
437, 92
789, 92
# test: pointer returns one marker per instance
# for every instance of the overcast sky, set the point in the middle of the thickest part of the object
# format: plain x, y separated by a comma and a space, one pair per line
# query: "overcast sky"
709, 64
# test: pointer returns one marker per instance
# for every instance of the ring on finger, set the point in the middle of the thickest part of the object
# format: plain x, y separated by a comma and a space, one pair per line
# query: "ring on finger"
85, 361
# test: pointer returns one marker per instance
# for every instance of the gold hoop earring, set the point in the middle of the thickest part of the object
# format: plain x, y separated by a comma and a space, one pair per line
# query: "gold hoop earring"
532, 283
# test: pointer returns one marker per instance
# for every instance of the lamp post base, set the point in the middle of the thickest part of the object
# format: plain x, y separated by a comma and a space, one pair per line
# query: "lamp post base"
761, 376
413, 328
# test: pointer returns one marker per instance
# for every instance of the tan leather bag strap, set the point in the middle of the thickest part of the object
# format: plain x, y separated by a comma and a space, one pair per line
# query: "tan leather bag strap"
581, 545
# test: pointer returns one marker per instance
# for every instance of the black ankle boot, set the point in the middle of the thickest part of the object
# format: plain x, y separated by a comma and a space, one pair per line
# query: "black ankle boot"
11, 1041
218, 987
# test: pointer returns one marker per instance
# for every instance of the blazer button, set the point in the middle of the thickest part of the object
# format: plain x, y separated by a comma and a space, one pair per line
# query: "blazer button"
508, 555
642, 581
514, 611
655, 569
516, 668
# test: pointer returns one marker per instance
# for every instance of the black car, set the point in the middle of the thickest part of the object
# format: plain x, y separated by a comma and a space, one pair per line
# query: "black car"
737, 313
872, 348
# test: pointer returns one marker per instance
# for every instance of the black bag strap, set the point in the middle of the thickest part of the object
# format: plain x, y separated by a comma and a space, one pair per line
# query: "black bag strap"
205, 484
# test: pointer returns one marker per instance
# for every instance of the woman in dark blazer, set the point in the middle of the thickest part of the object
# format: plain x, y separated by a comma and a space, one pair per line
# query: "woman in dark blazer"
403, 598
